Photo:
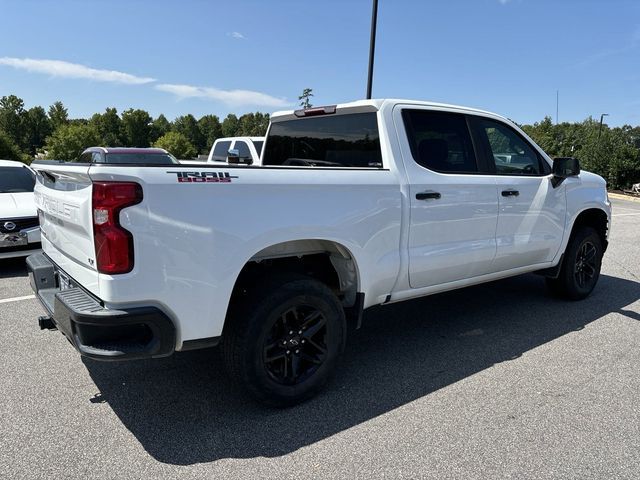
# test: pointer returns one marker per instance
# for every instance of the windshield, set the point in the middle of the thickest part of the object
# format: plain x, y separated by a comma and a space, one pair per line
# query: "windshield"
16, 179
142, 158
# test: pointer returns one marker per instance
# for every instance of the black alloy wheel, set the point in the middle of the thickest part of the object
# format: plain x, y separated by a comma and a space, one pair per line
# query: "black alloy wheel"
586, 264
296, 346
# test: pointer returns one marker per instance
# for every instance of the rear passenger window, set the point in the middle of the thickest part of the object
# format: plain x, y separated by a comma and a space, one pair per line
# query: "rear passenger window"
243, 149
440, 141
347, 140
510, 153
220, 151
258, 145
85, 158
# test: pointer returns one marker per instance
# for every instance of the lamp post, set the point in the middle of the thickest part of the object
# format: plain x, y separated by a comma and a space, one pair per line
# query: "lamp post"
372, 46
600, 128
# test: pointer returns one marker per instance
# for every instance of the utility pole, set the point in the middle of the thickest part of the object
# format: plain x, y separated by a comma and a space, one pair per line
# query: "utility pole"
600, 129
372, 46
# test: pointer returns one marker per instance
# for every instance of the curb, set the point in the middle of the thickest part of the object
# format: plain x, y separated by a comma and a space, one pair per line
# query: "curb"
624, 197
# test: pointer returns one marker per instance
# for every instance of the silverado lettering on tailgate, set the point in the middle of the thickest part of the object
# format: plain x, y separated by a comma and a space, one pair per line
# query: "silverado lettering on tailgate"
204, 177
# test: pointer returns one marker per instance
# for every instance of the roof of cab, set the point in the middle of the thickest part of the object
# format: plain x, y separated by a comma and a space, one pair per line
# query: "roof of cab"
378, 103
125, 150
11, 163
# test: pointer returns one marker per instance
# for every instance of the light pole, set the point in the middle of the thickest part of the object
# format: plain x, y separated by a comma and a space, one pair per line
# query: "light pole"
372, 46
600, 128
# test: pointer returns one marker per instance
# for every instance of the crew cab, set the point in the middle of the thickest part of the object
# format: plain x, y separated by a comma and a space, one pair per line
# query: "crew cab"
244, 150
19, 230
355, 205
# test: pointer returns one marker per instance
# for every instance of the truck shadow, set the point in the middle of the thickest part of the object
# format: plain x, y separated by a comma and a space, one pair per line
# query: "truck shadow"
13, 267
184, 410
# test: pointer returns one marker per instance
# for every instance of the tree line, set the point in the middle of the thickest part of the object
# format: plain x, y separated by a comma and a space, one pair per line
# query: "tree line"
613, 153
25, 134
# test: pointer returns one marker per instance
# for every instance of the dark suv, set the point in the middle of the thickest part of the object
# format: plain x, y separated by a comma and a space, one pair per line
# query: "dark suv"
121, 155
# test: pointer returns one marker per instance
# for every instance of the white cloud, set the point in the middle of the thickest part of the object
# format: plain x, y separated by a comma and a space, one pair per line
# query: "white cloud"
230, 97
58, 68
237, 35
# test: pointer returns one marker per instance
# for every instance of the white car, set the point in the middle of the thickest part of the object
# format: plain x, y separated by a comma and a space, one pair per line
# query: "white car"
355, 205
246, 150
19, 226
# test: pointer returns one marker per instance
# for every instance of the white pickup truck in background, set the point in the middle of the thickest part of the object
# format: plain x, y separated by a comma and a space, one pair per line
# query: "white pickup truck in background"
246, 150
355, 205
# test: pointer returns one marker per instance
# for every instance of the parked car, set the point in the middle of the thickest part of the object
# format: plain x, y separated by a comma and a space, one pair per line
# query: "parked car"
245, 150
356, 205
19, 227
127, 155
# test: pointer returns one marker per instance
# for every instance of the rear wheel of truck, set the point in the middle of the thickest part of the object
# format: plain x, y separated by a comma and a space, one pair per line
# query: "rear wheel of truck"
580, 266
284, 338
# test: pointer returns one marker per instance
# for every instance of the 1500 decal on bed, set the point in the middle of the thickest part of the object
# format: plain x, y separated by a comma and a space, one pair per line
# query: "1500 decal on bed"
204, 177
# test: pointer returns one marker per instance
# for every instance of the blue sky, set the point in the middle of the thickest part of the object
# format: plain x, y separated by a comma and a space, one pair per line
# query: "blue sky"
219, 56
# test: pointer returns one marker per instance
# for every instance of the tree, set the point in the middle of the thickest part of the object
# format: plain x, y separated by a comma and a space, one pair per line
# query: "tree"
611, 153
68, 141
136, 128
210, 129
12, 119
254, 124
177, 144
159, 127
9, 150
230, 126
306, 95
187, 125
37, 128
58, 115
109, 127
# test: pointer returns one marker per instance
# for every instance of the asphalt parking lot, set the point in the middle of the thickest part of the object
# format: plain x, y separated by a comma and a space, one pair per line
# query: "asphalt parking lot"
499, 380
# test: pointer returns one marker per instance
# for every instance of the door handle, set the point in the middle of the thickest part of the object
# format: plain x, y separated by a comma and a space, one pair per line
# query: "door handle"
428, 195
510, 193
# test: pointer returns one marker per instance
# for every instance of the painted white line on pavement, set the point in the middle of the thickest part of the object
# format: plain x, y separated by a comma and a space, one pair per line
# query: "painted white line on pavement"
626, 215
17, 299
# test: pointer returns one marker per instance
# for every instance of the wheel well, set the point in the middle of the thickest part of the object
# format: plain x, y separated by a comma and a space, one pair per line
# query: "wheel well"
326, 261
594, 218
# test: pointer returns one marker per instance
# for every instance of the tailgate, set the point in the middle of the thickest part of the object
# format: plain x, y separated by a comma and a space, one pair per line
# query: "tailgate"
63, 198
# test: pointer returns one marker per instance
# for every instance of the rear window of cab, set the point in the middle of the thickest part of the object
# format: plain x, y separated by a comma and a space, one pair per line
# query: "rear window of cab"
338, 141
140, 158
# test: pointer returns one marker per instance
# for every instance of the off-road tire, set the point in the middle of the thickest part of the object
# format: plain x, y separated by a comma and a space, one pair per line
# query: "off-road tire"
250, 327
580, 266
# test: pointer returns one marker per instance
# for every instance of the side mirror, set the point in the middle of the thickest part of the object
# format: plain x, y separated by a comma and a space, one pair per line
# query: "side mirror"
233, 156
564, 167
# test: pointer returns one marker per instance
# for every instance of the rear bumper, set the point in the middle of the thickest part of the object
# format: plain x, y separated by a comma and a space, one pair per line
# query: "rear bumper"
95, 331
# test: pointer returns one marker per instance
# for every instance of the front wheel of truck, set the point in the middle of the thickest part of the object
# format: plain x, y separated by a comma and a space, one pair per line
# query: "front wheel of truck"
284, 338
580, 267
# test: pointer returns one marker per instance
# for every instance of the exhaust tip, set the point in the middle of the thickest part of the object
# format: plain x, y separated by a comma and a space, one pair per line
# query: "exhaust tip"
46, 323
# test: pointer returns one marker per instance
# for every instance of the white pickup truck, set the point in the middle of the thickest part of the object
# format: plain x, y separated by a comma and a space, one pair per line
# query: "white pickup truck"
356, 205
246, 150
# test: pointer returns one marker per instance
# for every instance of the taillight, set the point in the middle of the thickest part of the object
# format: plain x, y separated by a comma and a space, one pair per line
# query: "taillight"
114, 244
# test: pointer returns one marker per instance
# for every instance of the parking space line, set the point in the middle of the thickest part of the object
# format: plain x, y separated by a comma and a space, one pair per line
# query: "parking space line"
626, 214
17, 299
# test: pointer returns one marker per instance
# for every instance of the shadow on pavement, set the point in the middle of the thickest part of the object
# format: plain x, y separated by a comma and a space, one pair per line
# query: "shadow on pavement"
184, 409
13, 267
